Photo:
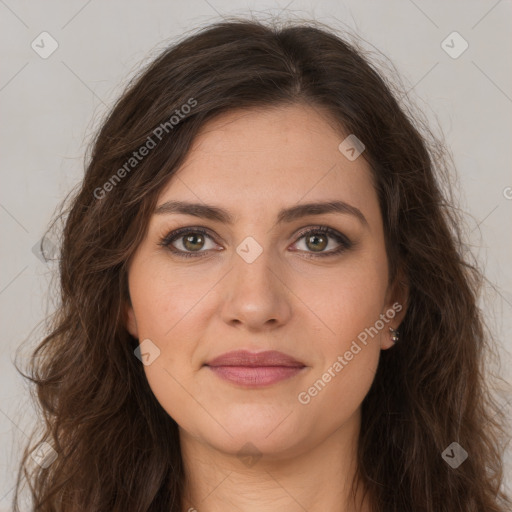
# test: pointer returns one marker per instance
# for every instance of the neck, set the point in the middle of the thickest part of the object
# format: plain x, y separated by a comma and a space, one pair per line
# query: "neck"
315, 479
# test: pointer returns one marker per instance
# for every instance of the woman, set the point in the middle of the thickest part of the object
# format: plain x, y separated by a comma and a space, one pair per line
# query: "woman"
264, 300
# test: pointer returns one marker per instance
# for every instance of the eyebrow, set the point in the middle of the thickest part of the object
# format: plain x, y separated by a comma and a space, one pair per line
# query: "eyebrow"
285, 215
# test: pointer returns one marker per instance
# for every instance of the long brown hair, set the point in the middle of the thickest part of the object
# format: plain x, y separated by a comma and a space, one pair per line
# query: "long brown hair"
117, 449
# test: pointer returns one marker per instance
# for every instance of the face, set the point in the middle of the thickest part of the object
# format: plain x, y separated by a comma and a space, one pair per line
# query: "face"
266, 281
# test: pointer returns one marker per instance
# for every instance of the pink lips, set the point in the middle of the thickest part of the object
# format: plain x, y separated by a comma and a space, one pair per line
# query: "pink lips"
255, 369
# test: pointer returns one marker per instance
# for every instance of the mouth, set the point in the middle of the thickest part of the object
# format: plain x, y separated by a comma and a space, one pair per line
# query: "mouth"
255, 369
255, 376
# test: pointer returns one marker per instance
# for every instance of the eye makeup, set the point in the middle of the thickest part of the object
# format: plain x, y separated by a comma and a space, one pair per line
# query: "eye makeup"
316, 231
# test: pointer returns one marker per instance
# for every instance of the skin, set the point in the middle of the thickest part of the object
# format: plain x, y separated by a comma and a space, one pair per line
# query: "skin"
253, 163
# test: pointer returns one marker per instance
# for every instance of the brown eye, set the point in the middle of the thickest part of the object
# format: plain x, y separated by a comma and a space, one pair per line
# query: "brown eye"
188, 242
192, 241
316, 242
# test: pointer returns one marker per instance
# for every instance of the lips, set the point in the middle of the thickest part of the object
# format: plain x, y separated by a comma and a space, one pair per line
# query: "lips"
255, 370
244, 358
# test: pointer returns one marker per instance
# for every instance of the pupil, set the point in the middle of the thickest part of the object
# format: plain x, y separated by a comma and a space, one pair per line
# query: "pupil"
317, 237
190, 239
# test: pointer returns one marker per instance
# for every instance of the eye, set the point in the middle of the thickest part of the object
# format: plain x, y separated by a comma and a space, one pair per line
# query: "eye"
316, 240
190, 239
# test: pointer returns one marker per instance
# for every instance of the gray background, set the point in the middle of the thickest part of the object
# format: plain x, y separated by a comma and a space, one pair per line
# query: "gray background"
51, 107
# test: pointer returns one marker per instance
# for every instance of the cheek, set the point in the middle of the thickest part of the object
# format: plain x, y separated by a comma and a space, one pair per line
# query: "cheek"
174, 389
162, 297
348, 304
164, 309
348, 299
349, 349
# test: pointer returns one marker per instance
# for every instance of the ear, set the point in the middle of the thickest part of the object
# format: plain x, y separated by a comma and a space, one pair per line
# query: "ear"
131, 321
397, 299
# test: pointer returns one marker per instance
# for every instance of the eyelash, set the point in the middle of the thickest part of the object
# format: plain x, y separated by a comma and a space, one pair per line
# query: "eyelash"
344, 242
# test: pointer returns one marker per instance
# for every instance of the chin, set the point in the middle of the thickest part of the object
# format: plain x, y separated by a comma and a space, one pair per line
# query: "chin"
260, 434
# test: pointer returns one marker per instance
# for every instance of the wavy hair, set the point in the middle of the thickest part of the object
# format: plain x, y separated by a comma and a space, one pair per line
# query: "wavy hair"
430, 390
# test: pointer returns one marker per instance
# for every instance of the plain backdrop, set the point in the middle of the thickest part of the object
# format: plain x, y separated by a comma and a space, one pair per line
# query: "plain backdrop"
51, 106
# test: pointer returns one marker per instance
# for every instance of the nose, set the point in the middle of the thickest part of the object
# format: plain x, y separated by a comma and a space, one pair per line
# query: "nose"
255, 294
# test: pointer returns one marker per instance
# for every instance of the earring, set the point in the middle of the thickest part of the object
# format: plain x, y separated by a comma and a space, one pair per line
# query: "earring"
395, 335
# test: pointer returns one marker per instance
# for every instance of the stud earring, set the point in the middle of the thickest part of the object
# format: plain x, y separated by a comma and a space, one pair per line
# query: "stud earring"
395, 335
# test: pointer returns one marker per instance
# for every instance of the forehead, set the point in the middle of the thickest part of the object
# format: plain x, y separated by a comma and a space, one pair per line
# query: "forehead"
260, 158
